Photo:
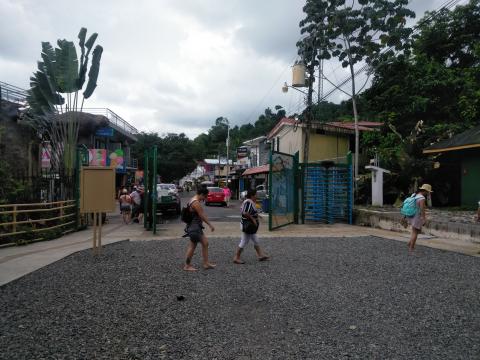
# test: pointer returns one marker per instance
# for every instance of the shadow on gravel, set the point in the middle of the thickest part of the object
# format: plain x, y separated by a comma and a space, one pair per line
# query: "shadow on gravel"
336, 298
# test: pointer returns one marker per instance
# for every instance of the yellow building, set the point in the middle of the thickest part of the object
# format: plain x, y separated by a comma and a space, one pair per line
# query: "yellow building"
328, 141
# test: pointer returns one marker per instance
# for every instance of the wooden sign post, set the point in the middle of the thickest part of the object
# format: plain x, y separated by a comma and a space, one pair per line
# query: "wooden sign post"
97, 195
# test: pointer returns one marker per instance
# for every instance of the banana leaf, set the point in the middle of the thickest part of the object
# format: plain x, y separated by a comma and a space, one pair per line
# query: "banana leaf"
93, 73
83, 64
48, 56
44, 86
66, 67
91, 41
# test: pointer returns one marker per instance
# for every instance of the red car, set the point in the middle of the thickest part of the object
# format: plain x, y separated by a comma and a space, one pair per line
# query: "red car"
215, 196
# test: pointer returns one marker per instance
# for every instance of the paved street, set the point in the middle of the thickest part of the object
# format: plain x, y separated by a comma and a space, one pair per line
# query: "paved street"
215, 212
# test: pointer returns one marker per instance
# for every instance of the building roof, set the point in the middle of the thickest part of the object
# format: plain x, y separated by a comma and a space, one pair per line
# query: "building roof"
257, 170
217, 161
283, 122
337, 126
255, 141
465, 140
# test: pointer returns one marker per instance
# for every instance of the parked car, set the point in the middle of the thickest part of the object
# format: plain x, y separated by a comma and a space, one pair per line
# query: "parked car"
262, 192
167, 198
215, 196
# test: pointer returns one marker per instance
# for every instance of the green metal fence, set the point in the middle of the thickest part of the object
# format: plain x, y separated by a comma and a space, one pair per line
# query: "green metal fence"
282, 189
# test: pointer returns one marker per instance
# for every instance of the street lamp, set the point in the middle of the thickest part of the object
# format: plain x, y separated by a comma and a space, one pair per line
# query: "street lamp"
285, 88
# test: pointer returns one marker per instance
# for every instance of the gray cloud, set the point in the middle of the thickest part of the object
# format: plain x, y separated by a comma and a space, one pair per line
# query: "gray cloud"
172, 66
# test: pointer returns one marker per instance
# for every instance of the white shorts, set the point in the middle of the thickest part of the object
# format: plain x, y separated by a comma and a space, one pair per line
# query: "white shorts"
246, 239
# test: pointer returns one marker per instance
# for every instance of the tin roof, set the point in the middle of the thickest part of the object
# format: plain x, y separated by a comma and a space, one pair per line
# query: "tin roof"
465, 140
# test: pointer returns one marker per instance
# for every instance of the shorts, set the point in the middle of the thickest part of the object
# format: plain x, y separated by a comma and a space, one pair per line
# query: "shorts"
195, 232
125, 208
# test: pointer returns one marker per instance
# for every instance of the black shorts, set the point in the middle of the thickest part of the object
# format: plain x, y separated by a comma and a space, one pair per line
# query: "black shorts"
125, 208
195, 232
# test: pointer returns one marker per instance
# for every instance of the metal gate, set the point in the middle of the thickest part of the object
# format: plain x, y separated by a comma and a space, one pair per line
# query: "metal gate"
282, 189
327, 192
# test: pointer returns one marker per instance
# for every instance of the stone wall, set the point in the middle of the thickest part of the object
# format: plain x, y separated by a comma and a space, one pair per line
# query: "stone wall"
469, 232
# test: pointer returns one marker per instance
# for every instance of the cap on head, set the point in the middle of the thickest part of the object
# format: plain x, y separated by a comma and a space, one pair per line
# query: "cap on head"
426, 187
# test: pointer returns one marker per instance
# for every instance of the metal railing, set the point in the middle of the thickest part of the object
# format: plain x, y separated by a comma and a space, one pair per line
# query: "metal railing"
31, 219
18, 95
12, 93
113, 118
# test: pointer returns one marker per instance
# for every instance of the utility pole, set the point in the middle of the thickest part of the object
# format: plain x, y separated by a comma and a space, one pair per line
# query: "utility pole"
228, 148
308, 117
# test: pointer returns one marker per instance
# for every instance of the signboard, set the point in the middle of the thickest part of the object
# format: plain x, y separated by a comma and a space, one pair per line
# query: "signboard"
46, 155
97, 157
242, 152
97, 189
116, 159
104, 132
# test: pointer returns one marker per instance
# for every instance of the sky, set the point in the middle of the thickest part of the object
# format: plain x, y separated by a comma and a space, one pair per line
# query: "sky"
173, 66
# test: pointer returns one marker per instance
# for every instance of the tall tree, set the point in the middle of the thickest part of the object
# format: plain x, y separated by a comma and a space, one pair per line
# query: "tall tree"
357, 31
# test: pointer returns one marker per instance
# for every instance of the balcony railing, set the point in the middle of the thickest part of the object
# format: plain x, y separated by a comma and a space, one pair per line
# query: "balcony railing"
12, 93
113, 118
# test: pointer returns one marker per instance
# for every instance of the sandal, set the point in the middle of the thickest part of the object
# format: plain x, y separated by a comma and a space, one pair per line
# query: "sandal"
239, 262
264, 258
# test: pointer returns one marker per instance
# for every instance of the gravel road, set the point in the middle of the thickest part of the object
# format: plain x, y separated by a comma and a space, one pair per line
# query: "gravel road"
328, 298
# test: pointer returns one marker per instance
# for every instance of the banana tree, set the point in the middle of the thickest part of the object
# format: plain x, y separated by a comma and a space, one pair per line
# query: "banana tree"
55, 97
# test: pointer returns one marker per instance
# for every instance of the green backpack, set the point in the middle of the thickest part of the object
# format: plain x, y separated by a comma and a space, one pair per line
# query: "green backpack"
409, 207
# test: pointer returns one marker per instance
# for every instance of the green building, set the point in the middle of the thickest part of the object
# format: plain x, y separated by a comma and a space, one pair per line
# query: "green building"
459, 158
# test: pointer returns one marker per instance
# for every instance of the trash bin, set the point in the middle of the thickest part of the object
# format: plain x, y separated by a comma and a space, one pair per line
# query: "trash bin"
265, 205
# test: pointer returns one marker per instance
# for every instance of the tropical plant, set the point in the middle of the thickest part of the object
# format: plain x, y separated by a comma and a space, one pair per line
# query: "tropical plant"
54, 97
360, 31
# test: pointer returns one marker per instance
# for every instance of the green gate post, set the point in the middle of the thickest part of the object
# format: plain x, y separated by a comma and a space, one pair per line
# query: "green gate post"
146, 191
154, 192
351, 187
270, 198
77, 189
295, 187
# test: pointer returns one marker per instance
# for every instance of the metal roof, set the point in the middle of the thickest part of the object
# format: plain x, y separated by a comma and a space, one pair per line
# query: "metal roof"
465, 140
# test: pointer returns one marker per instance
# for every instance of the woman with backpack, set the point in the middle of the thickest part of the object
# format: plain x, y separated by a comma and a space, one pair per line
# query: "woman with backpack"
419, 219
249, 225
195, 228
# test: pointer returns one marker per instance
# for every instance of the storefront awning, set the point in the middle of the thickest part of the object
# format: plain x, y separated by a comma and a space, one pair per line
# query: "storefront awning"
257, 170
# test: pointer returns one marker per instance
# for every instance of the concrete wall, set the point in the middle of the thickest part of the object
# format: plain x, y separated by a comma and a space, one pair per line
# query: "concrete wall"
391, 221
327, 147
322, 146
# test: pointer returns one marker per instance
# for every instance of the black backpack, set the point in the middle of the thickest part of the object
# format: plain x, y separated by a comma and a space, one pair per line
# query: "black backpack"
186, 215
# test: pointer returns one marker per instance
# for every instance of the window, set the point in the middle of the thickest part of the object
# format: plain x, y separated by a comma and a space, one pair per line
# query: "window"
278, 143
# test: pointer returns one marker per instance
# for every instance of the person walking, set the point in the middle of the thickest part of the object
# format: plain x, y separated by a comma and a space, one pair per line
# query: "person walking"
194, 231
419, 219
228, 195
125, 205
249, 215
136, 200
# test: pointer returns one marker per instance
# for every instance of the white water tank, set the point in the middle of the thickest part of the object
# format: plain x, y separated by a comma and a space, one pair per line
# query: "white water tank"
298, 72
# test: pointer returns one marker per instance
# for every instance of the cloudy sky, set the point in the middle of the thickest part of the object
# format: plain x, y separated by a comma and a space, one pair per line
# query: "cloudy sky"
172, 65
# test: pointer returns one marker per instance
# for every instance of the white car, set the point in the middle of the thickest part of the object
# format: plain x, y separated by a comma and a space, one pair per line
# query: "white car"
262, 192
167, 198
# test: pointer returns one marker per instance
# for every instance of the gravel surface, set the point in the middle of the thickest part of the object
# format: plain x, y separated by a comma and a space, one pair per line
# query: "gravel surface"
342, 298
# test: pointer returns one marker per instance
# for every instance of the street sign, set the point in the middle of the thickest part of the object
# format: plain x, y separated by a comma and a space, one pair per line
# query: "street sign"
242, 152
104, 132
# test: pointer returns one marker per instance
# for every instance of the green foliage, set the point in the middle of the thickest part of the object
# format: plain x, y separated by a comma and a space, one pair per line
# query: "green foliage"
354, 31
178, 155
